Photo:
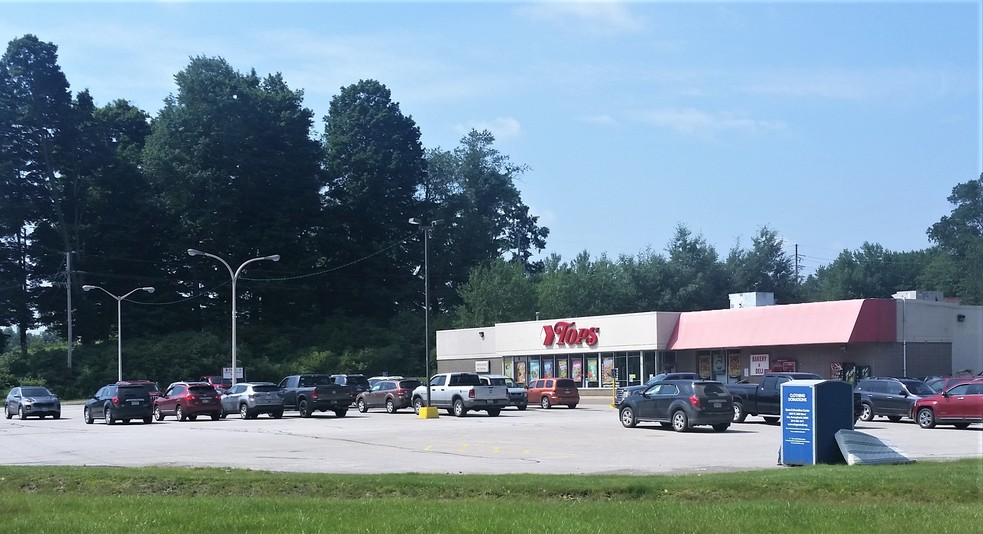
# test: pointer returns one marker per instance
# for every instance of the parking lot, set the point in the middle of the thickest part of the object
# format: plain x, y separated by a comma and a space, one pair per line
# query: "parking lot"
588, 439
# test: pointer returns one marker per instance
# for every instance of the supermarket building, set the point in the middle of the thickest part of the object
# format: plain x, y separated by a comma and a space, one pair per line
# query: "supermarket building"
913, 334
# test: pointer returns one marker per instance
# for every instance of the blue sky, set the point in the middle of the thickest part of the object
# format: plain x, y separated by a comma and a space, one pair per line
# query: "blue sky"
833, 123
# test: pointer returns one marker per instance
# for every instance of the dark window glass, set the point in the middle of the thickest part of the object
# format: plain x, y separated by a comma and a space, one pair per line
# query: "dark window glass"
130, 392
34, 392
565, 383
202, 390
265, 388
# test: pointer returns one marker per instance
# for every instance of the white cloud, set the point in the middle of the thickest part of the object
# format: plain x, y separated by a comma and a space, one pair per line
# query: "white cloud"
700, 123
593, 17
502, 127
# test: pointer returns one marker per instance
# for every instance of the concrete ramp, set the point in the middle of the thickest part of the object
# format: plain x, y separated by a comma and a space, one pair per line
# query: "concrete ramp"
863, 449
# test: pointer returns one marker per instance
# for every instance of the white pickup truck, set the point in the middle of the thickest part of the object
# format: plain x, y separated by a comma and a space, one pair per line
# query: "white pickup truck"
460, 393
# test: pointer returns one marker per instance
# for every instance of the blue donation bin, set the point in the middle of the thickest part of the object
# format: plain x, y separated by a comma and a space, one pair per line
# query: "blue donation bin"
812, 412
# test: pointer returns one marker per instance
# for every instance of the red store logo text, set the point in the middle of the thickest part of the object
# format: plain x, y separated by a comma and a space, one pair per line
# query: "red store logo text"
567, 333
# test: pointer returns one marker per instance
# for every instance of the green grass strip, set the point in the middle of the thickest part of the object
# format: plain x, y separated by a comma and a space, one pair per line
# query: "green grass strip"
935, 496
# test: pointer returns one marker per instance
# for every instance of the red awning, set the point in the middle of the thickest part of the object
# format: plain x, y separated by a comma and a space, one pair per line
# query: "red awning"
843, 321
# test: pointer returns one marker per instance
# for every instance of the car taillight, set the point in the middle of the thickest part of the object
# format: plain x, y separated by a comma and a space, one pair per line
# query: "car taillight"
694, 401
401, 391
115, 401
314, 394
471, 393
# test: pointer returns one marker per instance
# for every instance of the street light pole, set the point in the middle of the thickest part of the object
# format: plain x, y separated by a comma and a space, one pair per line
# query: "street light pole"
427, 231
119, 320
235, 276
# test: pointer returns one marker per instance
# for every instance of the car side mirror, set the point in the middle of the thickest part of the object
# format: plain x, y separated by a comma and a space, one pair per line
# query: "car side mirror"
945, 394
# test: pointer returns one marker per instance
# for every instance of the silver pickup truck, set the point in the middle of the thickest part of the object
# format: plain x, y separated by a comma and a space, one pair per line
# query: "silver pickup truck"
460, 393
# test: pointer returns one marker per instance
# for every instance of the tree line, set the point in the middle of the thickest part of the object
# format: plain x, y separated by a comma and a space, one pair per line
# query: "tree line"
234, 165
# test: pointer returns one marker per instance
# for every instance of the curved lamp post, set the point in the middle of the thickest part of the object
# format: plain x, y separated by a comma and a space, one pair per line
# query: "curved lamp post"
119, 319
235, 276
427, 230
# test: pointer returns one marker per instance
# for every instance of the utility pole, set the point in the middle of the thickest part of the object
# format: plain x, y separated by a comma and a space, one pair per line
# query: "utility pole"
68, 286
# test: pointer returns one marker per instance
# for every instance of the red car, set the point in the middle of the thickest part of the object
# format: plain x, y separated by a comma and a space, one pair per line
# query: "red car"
550, 391
960, 406
188, 400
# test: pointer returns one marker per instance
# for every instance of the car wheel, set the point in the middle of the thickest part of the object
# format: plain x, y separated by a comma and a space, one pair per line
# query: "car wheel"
417, 404
148, 420
362, 408
866, 412
193, 417
459, 409
87, 415
126, 421
390, 406
179, 413
243, 411
304, 409
961, 425
771, 420
277, 414
56, 415
216, 416
493, 412
627, 416
109, 417
158, 415
572, 406
223, 414
20, 412
926, 418
721, 427
680, 422
739, 414
545, 403
6, 412
341, 412
521, 407
894, 418
42, 416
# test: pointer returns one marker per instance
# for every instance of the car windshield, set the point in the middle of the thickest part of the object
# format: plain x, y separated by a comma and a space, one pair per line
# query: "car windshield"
265, 388
919, 388
496, 381
656, 378
35, 392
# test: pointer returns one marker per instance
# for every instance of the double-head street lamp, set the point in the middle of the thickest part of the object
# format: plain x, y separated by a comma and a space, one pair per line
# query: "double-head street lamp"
119, 319
427, 230
235, 276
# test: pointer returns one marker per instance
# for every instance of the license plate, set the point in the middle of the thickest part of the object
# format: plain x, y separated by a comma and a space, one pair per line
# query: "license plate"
135, 401
718, 405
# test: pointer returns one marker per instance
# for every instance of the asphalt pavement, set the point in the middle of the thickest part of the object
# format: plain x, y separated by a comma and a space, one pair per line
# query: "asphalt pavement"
588, 439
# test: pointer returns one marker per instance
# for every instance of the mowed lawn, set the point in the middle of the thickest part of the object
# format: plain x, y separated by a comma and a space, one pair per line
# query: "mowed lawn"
920, 497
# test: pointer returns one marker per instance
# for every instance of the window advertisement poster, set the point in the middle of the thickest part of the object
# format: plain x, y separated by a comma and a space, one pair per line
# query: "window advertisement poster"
577, 368
606, 366
561, 368
534, 370
759, 364
704, 366
508, 369
734, 365
520, 373
592, 370
547, 368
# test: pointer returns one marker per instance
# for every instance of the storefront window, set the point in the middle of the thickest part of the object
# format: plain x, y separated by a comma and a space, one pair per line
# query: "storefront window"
534, 373
548, 368
577, 369
562, 370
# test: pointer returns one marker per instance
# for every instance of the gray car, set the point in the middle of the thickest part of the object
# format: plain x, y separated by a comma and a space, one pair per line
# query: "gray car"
32, 401
250, 399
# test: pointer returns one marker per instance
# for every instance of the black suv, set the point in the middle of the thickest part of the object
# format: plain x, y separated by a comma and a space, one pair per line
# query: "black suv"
890, 397
119, 402
356, 384
680, 404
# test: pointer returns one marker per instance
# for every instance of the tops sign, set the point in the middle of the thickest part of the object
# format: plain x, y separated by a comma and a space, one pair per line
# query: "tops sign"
567, 333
